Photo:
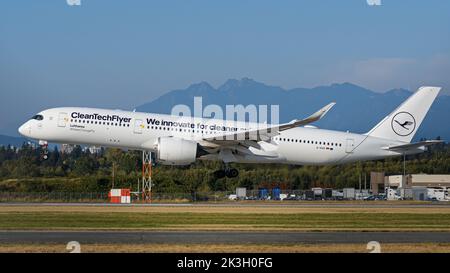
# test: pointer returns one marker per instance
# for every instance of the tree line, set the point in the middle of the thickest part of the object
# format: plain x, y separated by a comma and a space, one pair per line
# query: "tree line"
23, 170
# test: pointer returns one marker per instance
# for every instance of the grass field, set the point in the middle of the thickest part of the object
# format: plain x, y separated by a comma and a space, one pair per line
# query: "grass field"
227, 248
224, 218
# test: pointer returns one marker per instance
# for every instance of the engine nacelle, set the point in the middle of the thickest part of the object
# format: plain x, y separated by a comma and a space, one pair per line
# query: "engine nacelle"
177, 151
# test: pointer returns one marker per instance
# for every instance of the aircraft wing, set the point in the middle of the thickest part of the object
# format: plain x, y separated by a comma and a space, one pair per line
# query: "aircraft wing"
264, 132
410, 146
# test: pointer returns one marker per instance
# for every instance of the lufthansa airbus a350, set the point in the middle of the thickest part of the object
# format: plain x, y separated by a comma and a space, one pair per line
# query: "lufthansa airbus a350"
182, 140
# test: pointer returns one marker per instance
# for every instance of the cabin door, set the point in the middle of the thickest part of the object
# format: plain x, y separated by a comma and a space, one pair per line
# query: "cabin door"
138, 126
62, 119
349, 145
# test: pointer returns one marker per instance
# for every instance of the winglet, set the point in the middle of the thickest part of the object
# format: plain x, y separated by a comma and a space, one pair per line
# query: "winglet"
314, 117
322, 112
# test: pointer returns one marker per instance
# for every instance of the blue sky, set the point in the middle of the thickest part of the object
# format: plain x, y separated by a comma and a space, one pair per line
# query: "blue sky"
119, 54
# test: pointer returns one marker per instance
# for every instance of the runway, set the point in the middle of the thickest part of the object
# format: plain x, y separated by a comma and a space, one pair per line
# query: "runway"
213, 237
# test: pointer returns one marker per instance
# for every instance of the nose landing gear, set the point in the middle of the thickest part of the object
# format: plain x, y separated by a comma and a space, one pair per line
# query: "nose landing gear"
44, 149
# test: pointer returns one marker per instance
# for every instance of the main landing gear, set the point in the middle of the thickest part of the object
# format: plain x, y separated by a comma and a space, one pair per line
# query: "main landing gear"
228, 172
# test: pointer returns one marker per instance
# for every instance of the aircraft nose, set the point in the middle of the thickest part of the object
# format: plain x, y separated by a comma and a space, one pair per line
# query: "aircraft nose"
24, 129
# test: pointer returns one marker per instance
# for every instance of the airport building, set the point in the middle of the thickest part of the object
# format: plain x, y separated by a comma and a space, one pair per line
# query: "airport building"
411, 186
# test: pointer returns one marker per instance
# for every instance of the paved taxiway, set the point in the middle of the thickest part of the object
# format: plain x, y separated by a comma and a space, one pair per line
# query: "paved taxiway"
200, 237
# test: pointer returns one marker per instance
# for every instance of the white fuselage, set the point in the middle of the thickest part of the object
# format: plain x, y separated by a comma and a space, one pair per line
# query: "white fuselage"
141, 131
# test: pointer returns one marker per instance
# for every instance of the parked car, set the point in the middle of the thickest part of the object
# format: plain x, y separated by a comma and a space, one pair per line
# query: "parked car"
291, 197
232, 197
380, 197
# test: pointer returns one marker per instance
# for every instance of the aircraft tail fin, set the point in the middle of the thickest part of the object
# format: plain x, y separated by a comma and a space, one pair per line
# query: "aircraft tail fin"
403, 123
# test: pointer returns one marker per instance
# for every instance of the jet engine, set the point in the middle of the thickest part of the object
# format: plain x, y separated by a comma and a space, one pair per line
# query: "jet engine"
178, 151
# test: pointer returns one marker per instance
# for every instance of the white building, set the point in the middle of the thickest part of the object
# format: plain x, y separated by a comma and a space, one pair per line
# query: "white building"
436, 186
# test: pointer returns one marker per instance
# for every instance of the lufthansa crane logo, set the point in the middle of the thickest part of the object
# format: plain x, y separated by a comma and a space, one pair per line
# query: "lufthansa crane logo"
403, 124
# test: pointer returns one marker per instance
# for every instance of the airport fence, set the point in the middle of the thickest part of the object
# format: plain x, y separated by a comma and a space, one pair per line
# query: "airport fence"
96, 197
102, 197
54, 197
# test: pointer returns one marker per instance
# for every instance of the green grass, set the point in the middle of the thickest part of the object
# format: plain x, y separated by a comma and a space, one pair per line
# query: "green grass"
311, 221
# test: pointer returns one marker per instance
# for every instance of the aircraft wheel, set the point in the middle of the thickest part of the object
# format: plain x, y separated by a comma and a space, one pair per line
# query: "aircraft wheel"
231, 173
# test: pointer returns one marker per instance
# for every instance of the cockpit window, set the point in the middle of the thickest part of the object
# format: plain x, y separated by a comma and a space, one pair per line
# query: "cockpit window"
38, 117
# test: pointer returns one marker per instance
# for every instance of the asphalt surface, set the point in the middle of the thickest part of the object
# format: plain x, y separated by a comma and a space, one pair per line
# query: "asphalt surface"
210, 237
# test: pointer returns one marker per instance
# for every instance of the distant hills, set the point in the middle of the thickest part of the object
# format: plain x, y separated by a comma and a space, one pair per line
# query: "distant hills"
13, 141
357, 109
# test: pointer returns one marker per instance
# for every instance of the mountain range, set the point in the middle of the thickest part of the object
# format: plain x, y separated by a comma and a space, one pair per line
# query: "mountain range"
357, 109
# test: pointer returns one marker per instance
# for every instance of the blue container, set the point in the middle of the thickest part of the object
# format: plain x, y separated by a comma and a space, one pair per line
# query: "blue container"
276, 193
263, 193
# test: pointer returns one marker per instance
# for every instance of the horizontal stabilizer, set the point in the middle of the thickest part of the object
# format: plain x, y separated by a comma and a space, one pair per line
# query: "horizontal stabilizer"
416, 145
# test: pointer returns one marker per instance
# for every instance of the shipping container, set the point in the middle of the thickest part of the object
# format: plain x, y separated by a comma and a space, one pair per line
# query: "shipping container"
327, 193
317, 191
309, 195
406, 194
241, 193
349, 193
276, 193
419, 193
263, 193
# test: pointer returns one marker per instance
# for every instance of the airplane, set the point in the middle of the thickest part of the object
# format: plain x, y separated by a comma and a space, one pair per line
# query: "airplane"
182, 140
